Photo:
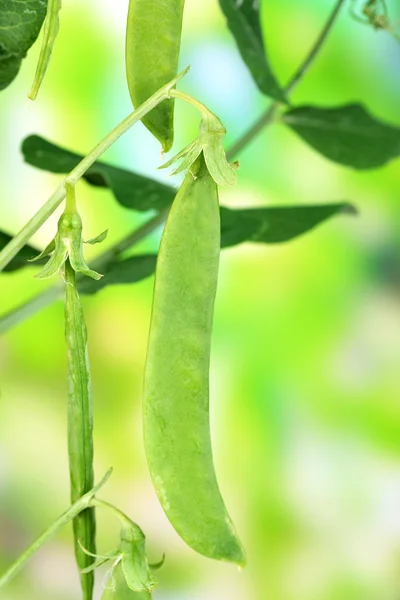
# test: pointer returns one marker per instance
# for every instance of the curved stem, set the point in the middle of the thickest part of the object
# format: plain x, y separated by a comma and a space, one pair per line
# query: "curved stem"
311, 56
190, 100
82, 504
268, 116
18, 241
121, 516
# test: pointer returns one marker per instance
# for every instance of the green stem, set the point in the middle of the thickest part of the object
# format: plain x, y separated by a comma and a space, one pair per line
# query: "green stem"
269, 115
121, 516
80, 426
19, 240
190, 100
82, 504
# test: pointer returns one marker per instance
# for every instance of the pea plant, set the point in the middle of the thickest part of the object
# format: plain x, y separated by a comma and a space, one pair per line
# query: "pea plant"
176, 379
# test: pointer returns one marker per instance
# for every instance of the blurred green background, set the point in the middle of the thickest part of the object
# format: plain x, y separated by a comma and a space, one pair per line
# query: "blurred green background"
305, 372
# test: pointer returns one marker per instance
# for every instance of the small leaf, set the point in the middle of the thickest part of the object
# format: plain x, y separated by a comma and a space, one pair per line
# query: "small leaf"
98, 239
20, 23
46, 252
158, 565
128, 270
348, 134
243, 17
130, 190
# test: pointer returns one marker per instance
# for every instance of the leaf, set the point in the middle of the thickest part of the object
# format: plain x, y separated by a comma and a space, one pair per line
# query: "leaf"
128, 270
269, 225
243, 17
131, 190
24, 255
348, 134
98, 239
272, 225
20, 23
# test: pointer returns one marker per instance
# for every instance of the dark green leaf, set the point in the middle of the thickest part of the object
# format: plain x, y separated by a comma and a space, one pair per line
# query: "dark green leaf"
263, 225
20, 23
273, 225
270, 225
243, 17
131, 190
128, 270
349, 134
20, 259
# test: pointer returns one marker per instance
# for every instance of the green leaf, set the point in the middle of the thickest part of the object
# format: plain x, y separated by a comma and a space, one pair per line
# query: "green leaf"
20, 23
21, 259
131, 190
128, 270
272, 225
243, 18
269, 225
349, 134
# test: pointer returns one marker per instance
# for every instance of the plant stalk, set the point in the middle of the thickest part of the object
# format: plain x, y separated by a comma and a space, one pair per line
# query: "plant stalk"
269, 115
82, 504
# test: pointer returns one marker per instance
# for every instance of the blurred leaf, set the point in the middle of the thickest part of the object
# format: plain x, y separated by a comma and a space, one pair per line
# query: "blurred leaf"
20, 259
131, 190
243, 19
348, 135
128, 270
272, 225
20, 23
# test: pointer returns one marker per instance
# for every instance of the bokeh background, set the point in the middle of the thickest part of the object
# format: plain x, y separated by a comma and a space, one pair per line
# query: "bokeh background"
305, 373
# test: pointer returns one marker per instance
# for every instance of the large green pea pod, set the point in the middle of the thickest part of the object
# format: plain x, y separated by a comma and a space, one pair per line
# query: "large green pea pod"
153, 39
176, 387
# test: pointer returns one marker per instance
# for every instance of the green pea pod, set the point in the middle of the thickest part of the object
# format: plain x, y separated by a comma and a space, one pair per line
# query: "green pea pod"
176, 387
50, 30
80, 426
117, 588
153, 39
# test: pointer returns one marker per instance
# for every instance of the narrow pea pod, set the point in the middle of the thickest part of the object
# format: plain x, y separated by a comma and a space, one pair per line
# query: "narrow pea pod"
80, 427
50, 30
176, 387
153, 39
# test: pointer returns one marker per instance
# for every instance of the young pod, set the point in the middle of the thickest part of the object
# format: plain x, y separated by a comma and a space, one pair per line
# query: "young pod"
153, 39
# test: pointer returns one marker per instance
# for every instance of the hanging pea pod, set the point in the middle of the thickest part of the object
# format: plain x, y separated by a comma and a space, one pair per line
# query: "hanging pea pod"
176, 386
50, 30
153, 39
80, 426
67, 259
